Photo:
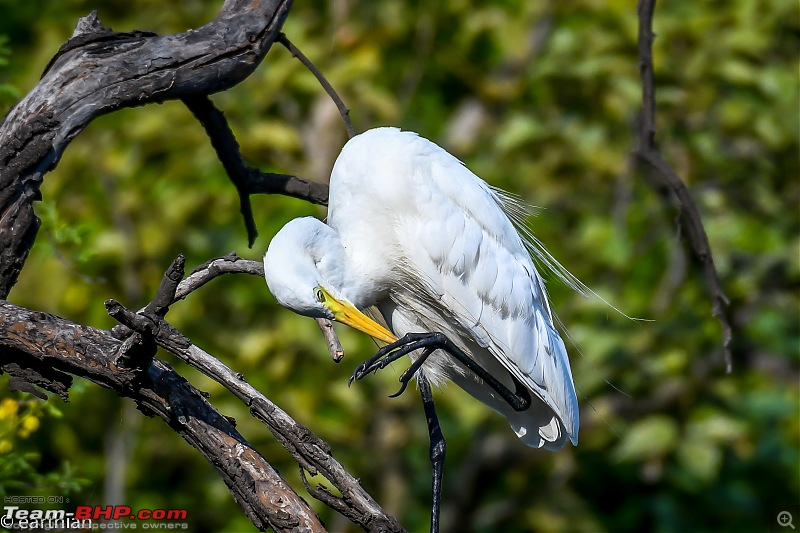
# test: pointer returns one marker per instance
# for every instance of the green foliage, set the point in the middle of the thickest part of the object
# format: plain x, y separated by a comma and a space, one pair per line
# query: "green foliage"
538, 98
20, 470
8, 94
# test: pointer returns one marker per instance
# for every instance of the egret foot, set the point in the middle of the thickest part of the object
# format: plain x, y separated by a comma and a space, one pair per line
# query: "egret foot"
429, 342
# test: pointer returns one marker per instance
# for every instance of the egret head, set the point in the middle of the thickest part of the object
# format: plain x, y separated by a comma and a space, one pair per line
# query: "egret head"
305, 267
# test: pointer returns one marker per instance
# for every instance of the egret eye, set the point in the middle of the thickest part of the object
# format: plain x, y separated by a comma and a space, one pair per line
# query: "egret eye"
319, 295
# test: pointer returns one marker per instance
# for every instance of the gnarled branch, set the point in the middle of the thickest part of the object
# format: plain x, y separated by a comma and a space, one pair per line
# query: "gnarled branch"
123, 361
34, 340
99, 71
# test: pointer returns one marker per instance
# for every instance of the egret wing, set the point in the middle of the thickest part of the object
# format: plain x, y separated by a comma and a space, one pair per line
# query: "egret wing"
471, 266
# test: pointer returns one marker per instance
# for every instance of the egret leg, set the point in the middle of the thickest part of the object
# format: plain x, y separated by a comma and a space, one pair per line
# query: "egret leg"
519, 400
437, 450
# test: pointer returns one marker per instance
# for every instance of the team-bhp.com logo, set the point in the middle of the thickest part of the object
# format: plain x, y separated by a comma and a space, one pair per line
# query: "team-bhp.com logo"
118, 512
87, 517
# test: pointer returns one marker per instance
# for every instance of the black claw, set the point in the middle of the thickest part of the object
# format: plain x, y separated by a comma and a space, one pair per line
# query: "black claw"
409, 373
404, 379
400, 391
360, 372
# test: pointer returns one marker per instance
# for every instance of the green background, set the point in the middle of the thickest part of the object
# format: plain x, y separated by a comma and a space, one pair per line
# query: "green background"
540, 98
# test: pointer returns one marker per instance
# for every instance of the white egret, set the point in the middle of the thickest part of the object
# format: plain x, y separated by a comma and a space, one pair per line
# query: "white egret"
415, 235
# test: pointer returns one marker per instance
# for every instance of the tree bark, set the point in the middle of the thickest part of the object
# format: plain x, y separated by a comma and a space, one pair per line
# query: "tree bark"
99, 71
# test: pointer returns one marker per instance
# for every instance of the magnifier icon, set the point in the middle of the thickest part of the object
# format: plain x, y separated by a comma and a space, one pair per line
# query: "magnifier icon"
785, 519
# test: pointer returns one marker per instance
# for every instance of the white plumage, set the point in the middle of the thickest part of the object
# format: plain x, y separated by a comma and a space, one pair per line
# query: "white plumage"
412, 232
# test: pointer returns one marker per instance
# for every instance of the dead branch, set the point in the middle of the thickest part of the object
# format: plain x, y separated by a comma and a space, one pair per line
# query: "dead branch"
246, 179
127, 365
127, 355
691, 222
312, 453
331, 339
33, 341
99, 71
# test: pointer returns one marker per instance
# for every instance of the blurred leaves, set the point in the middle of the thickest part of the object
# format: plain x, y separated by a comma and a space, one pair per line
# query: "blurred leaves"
538, 98
21, 416
651, 437
8, 93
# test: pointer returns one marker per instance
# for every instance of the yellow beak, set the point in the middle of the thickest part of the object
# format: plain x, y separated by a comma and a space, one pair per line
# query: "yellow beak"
346, 313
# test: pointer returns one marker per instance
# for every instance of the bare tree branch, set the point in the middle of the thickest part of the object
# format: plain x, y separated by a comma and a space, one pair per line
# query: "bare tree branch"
691, 222
33, 341
245, 178
127, 355
224, 143
99, 71
311, 452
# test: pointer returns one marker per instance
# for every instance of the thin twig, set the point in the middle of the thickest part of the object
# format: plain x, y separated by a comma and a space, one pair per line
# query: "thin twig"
331, 339
691, 222
343, 110
233, 264
230, 264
